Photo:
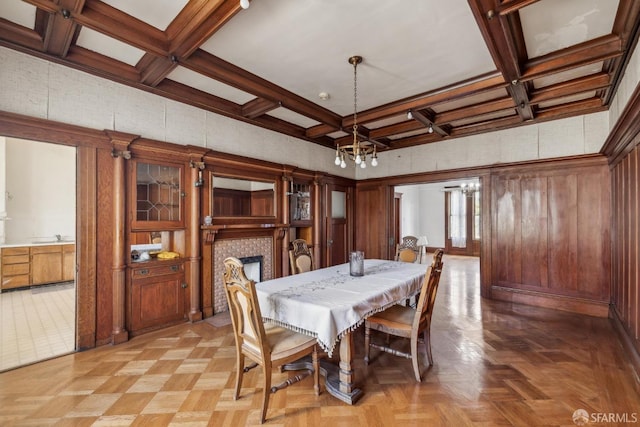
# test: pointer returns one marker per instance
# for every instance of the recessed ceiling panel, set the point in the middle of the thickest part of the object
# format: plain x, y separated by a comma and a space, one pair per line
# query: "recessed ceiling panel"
551, 25
408, 47
18, 12
386, 122
471, 100
293, 117
213, 87
568, 99
571, 74
408, 134
159, 13
108, 46
485, 117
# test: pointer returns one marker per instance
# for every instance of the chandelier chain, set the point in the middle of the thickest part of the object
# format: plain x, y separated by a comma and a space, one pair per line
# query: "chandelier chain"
355, 98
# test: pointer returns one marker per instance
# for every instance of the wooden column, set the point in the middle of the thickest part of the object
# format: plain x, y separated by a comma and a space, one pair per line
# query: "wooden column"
120, 153
194, 258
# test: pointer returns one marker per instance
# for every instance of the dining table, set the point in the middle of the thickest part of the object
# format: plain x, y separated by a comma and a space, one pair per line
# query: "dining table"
329, 304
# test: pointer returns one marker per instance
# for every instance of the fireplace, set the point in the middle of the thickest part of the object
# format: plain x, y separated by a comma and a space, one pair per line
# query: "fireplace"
253, 267
245, 249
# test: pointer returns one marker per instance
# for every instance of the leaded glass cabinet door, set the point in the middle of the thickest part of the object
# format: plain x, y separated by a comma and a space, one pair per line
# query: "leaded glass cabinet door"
157, 196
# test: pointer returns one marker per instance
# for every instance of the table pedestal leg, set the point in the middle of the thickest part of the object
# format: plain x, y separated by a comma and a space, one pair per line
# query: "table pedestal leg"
339, 380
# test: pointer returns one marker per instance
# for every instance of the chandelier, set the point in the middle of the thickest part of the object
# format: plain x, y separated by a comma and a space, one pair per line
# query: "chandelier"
470, 188
356, 151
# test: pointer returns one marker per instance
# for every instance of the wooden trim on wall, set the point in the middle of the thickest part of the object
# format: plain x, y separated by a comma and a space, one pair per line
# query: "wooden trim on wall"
624, 136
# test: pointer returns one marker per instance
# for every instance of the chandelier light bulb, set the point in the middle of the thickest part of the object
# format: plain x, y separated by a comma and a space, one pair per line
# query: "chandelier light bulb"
374, 162
358, 159
343, 164
244, 4
337, 162
363, 165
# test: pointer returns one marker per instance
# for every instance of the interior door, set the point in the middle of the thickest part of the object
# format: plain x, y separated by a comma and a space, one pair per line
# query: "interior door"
463, 223
337, 225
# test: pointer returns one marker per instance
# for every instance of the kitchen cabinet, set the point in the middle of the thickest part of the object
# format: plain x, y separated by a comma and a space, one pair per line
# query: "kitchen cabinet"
23, 266
15, 267
46, 264
156, 295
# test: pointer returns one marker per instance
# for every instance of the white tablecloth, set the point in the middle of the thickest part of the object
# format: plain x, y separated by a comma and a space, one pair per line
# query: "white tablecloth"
328, 303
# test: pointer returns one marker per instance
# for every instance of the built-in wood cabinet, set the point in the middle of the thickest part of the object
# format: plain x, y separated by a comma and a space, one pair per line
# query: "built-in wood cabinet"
157, 193
156, 295
24, 266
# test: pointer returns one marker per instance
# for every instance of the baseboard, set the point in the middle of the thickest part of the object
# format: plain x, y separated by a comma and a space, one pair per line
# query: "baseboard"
627, 343
557, 302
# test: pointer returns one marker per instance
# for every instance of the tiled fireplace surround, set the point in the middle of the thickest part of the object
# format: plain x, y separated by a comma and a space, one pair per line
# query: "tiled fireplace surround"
239, 248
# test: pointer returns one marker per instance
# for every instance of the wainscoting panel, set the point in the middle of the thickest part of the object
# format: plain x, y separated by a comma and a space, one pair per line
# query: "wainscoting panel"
551, 236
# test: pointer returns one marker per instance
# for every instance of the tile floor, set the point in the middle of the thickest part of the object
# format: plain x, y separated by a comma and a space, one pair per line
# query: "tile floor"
36, 324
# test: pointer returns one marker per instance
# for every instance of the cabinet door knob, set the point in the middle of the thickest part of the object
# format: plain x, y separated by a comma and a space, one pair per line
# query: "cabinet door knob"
145, 271
184, 286
174, 268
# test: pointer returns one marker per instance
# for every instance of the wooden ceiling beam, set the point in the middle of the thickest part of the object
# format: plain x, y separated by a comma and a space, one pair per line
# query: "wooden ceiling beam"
258, 107
589, 52
482, 84
474, 110
571, 87
511, 6
21, 36
195, 23
428, 122
116, 24
396, 128
218, 69
320, 130
59, 29
503, 35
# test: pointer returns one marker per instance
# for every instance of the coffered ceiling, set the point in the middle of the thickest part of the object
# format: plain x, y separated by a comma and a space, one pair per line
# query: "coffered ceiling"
463, 67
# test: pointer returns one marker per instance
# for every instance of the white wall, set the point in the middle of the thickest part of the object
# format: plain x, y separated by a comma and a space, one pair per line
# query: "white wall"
422, 212
40, 191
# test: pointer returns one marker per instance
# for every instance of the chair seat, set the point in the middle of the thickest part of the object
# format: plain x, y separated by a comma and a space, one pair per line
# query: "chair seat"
285, 342
396, 317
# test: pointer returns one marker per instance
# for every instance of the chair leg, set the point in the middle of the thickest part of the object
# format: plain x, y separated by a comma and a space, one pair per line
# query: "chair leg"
316, 371
266, 392
239, 373
414, 357
367, 338
427, 343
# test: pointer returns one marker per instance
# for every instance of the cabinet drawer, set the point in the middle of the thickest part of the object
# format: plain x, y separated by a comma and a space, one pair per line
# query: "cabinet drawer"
15, 251
156, 270
15, 281
15, 269
46, 249
15, 259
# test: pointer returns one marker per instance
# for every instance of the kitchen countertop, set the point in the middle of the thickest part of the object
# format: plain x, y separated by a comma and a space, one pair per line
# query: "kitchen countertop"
53, 242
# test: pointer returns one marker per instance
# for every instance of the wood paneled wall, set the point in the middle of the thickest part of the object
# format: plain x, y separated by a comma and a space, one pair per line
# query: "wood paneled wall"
550, 238
625, 295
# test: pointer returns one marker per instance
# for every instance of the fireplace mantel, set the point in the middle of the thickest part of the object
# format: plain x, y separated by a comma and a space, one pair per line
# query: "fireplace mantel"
211, 233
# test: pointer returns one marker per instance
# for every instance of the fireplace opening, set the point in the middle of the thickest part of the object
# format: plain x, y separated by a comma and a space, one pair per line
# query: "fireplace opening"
253, 267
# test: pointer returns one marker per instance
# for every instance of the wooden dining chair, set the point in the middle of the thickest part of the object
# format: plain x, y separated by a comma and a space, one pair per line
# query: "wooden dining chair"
300, 257
408, 322
264, 344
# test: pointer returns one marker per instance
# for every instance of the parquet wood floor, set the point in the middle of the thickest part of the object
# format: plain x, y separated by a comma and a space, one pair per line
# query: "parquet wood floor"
496, 364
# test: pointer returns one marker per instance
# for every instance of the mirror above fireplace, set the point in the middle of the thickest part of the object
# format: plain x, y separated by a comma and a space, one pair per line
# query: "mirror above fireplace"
233, 197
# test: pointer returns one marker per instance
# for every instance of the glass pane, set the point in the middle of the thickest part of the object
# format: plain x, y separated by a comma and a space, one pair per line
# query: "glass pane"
158, 192
457, 219
338, 204
476, 216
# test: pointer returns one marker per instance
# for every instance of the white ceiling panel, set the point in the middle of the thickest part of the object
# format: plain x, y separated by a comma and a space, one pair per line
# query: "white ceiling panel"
293, 117
572, 22
108, 46
159, 13
213, 87
309, 43
18, 12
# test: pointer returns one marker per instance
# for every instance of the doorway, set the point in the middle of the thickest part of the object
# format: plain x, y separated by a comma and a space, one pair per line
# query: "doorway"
425, 211
37, 251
